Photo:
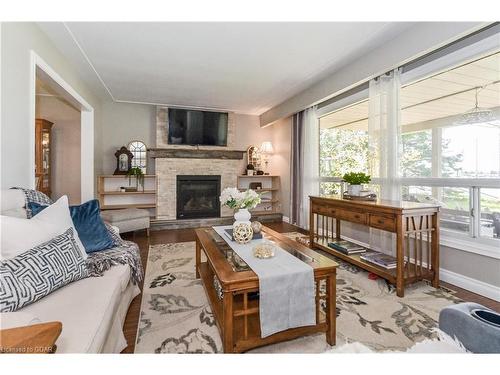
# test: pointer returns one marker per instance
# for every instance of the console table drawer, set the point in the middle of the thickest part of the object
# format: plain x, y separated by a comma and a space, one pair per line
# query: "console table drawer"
383, 222
322, 210
352, 216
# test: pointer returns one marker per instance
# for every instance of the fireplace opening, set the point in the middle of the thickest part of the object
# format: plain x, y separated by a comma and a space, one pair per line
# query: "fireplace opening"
198, 197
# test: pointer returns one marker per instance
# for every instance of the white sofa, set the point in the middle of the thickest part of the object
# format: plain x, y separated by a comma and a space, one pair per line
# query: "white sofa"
92, 310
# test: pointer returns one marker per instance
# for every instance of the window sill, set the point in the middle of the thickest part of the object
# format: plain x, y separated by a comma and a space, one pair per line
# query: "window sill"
477, 246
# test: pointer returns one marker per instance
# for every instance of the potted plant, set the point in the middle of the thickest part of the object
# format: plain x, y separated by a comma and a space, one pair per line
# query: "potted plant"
240, 202
250, 170
355, 180
139, 177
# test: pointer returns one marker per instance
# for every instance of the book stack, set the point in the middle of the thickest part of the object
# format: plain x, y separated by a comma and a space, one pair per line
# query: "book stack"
380, 259
346, 247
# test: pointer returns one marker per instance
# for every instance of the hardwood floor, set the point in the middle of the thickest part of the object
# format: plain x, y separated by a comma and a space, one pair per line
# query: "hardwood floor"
185, 235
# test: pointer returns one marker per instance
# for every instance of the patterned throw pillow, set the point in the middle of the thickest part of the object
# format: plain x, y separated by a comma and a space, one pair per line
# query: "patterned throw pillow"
34, 196
39, 271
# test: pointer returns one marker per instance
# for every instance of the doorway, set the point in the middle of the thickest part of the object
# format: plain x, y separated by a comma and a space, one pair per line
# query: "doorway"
57, 145
69, 157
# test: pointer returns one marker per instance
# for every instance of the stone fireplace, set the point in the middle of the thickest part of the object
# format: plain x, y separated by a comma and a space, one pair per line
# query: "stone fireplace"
198, 196
173, 162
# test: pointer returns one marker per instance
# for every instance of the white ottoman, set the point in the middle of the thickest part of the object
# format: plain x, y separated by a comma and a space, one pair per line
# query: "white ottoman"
128, 219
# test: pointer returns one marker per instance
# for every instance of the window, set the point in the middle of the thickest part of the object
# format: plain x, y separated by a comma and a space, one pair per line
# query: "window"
138, 149
343, 144
450, 138
490, 213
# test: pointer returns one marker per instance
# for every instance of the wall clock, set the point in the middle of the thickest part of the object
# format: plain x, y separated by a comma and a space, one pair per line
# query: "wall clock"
123, 160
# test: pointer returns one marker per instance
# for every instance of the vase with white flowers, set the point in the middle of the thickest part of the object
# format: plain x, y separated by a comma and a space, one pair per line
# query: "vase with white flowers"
241, 202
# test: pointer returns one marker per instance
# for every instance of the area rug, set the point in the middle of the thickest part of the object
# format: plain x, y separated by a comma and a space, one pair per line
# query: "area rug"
176, 317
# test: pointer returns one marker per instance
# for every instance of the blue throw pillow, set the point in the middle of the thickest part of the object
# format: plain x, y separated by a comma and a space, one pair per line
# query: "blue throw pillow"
88, 223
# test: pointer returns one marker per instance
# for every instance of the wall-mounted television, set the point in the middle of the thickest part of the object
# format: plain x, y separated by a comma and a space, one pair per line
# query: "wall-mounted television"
191, 127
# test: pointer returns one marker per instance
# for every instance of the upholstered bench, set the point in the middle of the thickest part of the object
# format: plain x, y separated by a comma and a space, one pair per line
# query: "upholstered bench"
128, 219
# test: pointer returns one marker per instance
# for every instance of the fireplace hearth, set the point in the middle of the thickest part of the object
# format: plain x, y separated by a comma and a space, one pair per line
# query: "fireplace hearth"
198, 196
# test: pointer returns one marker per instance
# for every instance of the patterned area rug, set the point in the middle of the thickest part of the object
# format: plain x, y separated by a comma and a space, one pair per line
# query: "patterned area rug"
176, 317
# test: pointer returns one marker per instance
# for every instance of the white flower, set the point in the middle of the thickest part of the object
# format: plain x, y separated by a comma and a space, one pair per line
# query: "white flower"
235, 199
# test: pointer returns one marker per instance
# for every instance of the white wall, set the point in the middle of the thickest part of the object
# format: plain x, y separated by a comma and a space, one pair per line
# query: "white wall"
282, 142
18, 39
122, 123
66, 146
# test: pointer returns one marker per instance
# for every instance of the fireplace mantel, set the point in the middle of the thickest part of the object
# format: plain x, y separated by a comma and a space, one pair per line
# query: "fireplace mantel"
176, 153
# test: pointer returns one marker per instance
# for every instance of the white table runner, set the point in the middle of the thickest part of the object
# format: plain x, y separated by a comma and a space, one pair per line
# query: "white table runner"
286, 287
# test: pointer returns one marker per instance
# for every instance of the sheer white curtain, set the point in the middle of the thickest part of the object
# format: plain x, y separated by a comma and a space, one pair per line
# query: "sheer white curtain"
308, 162
384, 132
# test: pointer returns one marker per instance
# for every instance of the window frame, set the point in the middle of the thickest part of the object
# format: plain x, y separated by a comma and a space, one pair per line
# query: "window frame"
473, 242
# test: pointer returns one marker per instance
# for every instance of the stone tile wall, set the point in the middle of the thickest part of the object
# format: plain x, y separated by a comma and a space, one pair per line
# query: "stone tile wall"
167, 169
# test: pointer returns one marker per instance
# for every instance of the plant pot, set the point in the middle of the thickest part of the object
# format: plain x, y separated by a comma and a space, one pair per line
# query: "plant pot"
242, 216
354, 190
249, 172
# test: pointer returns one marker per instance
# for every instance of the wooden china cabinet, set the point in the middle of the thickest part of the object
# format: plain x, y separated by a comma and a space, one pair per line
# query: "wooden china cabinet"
43, 144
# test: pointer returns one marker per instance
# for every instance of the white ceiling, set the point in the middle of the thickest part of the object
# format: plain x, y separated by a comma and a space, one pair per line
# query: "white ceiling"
242, 67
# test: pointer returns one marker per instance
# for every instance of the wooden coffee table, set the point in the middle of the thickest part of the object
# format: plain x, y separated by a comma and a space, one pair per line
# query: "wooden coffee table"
232, 290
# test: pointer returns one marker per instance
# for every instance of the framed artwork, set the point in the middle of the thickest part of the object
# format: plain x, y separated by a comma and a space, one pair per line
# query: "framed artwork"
123, 160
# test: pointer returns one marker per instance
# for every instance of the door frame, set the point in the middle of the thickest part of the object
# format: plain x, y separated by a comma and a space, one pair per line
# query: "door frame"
86, 124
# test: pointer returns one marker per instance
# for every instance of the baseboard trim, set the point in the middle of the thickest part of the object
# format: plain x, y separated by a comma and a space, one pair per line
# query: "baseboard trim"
468, 283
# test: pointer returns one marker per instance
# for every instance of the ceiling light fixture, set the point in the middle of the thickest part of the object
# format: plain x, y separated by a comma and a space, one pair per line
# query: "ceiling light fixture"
476, 115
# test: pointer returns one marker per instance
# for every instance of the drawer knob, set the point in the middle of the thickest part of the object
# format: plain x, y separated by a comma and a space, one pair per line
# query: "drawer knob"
380, 221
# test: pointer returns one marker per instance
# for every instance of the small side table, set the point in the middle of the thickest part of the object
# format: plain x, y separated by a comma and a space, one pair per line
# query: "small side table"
33, 339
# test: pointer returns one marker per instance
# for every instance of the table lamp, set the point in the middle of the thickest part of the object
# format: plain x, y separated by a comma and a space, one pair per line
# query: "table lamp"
266, 149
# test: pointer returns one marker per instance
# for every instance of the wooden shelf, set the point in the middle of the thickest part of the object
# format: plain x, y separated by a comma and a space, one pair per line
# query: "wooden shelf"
121, 206
270, 190
389, 274
111, 198
127, 192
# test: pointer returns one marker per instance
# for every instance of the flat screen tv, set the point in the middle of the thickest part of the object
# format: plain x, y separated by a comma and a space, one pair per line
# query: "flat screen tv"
191, 127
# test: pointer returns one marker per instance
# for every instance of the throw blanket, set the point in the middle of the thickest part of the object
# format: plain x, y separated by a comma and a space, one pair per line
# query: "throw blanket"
286, 287
124, 252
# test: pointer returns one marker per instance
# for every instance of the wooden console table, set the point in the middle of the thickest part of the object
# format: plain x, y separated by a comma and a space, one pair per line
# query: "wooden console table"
416, 226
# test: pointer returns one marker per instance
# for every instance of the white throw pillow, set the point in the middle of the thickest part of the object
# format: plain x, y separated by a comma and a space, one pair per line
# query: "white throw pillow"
11, 199
16, 212
19, 235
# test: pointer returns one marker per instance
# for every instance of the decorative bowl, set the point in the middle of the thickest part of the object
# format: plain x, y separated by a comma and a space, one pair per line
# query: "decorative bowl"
263, 251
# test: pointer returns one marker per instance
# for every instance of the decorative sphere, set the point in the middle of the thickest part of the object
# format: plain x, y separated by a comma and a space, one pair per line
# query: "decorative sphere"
242, 233
256, 226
